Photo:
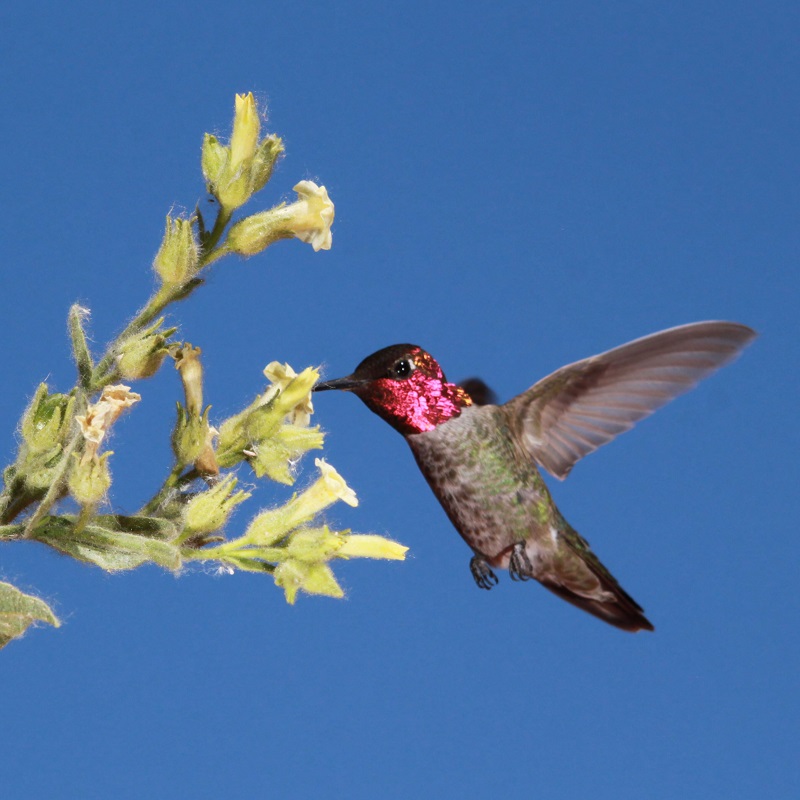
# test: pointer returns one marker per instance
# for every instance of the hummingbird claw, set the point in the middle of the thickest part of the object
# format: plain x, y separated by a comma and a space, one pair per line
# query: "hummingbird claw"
482, 572
519, 565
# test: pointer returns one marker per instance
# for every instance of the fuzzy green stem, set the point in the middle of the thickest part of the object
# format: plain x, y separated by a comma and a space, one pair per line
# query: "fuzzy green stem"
234, 553
175, 481
214, 235
105, 371
18, 501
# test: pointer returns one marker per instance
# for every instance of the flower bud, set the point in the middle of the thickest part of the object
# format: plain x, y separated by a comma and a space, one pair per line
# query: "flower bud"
190, 436
177, 258
47, 419
235, 182
309, 219
209, 510
89, 479
141, 355
212, 160
246, 127
268, 153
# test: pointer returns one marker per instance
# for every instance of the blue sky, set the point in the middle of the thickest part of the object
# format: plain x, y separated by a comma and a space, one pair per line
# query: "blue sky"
517, 186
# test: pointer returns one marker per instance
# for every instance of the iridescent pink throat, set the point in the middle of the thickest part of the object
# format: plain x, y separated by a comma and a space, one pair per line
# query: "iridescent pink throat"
418, 403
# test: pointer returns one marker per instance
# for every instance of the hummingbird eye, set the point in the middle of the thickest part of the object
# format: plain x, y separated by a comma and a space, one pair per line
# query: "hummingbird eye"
402, 368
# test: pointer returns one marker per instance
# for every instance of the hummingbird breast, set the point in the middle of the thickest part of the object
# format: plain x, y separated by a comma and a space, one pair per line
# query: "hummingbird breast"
489, 488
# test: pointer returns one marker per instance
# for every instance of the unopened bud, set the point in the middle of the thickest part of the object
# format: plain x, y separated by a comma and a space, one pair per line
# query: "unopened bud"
177, 258
190, 435
212, 160
141, 355
246, 127
47, 419
209, 510
236, 181
268, 153
89, 479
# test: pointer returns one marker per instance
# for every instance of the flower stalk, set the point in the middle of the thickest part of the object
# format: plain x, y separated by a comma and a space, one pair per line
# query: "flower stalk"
63, 461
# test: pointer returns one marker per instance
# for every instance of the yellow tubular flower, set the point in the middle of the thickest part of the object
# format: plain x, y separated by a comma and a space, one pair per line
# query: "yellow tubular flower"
309, 218
370, 546
329, 487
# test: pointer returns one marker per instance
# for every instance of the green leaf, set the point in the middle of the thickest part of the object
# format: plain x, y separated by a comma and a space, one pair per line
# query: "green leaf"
152, 527
111, 550
19, 611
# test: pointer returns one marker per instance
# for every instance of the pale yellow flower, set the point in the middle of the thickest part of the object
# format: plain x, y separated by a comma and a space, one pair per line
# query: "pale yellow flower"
280, 376
324, 492
312, 215
309, 218
332, 484
358, 545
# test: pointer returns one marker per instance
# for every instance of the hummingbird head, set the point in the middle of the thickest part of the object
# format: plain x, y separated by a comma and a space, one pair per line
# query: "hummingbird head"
405, 386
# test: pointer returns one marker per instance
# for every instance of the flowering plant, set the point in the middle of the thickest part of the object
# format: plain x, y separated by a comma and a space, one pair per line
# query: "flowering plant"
57, 488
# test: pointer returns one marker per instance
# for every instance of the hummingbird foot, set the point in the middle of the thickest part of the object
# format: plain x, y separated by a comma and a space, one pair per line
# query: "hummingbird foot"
519, 565
482, 572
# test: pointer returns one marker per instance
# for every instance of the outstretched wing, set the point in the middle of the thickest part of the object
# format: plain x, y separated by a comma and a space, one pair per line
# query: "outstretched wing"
580, 407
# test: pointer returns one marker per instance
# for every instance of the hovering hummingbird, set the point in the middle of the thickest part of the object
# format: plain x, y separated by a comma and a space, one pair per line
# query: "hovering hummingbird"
482, 460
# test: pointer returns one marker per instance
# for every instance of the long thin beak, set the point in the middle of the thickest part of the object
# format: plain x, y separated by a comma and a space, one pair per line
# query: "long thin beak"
346, 384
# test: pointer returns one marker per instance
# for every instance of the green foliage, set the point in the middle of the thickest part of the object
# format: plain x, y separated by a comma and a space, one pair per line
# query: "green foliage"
19, 611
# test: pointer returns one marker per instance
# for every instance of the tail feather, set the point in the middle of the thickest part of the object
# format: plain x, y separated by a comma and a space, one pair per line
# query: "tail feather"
622, 612
601, 596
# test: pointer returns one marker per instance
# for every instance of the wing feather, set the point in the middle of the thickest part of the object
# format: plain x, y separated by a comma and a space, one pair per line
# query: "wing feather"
584, 405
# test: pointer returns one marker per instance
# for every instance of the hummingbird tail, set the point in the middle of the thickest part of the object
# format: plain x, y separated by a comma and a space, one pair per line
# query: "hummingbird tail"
594, 589
622, 611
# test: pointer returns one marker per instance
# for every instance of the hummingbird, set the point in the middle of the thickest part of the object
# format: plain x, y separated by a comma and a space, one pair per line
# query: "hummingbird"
483, 460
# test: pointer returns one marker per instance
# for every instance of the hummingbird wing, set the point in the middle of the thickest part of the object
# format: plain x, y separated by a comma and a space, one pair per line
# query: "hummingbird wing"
580, 407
